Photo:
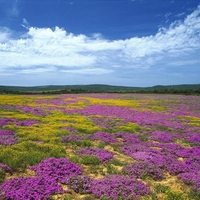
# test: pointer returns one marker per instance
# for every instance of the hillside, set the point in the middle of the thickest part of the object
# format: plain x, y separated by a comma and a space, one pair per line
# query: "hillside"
100, 88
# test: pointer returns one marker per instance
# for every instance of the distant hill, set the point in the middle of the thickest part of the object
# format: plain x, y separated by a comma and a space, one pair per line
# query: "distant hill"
89, 88
100, 88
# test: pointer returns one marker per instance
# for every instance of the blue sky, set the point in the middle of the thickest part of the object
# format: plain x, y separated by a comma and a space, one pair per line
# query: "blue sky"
116, 42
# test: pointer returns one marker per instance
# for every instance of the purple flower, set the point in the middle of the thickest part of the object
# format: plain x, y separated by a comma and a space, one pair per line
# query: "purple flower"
128, 138
70, 129
27, 122
106, 137
114, 186
192, 178
71, 137
192, 152
5, 167
6, 121
59, 169
143, 169
80, 184
102, 154
104, 122
177, 167
6, 132
161, 136
7, 137
194, 138
169, 149
29, 188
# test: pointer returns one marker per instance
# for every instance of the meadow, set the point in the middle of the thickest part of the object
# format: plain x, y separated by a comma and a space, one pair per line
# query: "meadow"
99, 146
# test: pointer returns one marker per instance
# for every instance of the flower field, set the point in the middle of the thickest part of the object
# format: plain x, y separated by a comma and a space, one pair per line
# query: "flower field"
99, 146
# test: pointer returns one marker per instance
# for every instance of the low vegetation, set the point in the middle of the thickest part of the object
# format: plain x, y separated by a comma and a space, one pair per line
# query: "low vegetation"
100, 146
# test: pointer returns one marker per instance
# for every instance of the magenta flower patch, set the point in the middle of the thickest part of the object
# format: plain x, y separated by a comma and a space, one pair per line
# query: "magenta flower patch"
27, 123
192, 178
128, 138
115, 186
6, 132
162, 137
29, 188
59, 169
5, 167
102, 154
7, 137
6, 121
104, 136
194, 138
70, 137
80, 184
143, 170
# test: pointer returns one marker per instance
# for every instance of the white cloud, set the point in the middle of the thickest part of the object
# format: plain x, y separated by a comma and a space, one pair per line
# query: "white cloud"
25, 24
180, 14
183, 62
96, 71
179, 37
66, 52
5, 34
37, 70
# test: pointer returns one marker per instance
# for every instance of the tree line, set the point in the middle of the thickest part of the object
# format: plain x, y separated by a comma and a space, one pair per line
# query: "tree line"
82, 91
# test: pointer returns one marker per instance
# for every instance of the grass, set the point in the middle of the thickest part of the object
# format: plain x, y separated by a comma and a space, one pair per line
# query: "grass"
161, 188
24, 154
101, 145
89, 160
117, 162
111, 169
85, 160
194, 195
175, 195
2, 175
83, 143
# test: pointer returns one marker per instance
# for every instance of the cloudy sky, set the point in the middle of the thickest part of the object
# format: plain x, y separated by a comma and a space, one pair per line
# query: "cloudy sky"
116, 42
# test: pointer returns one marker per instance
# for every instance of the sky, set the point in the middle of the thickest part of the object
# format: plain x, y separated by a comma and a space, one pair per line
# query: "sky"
117, 42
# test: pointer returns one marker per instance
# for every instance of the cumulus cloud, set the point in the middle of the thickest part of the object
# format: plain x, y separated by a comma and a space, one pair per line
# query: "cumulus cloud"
5, 34
66, 52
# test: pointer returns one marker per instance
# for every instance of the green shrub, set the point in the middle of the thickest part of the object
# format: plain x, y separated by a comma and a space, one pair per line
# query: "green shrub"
111, 169
117, 162
87, 160
194, 195
28, 153
161, 188
74, 159
101, 145
144, 138
2, 175
174, 195
83, 143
